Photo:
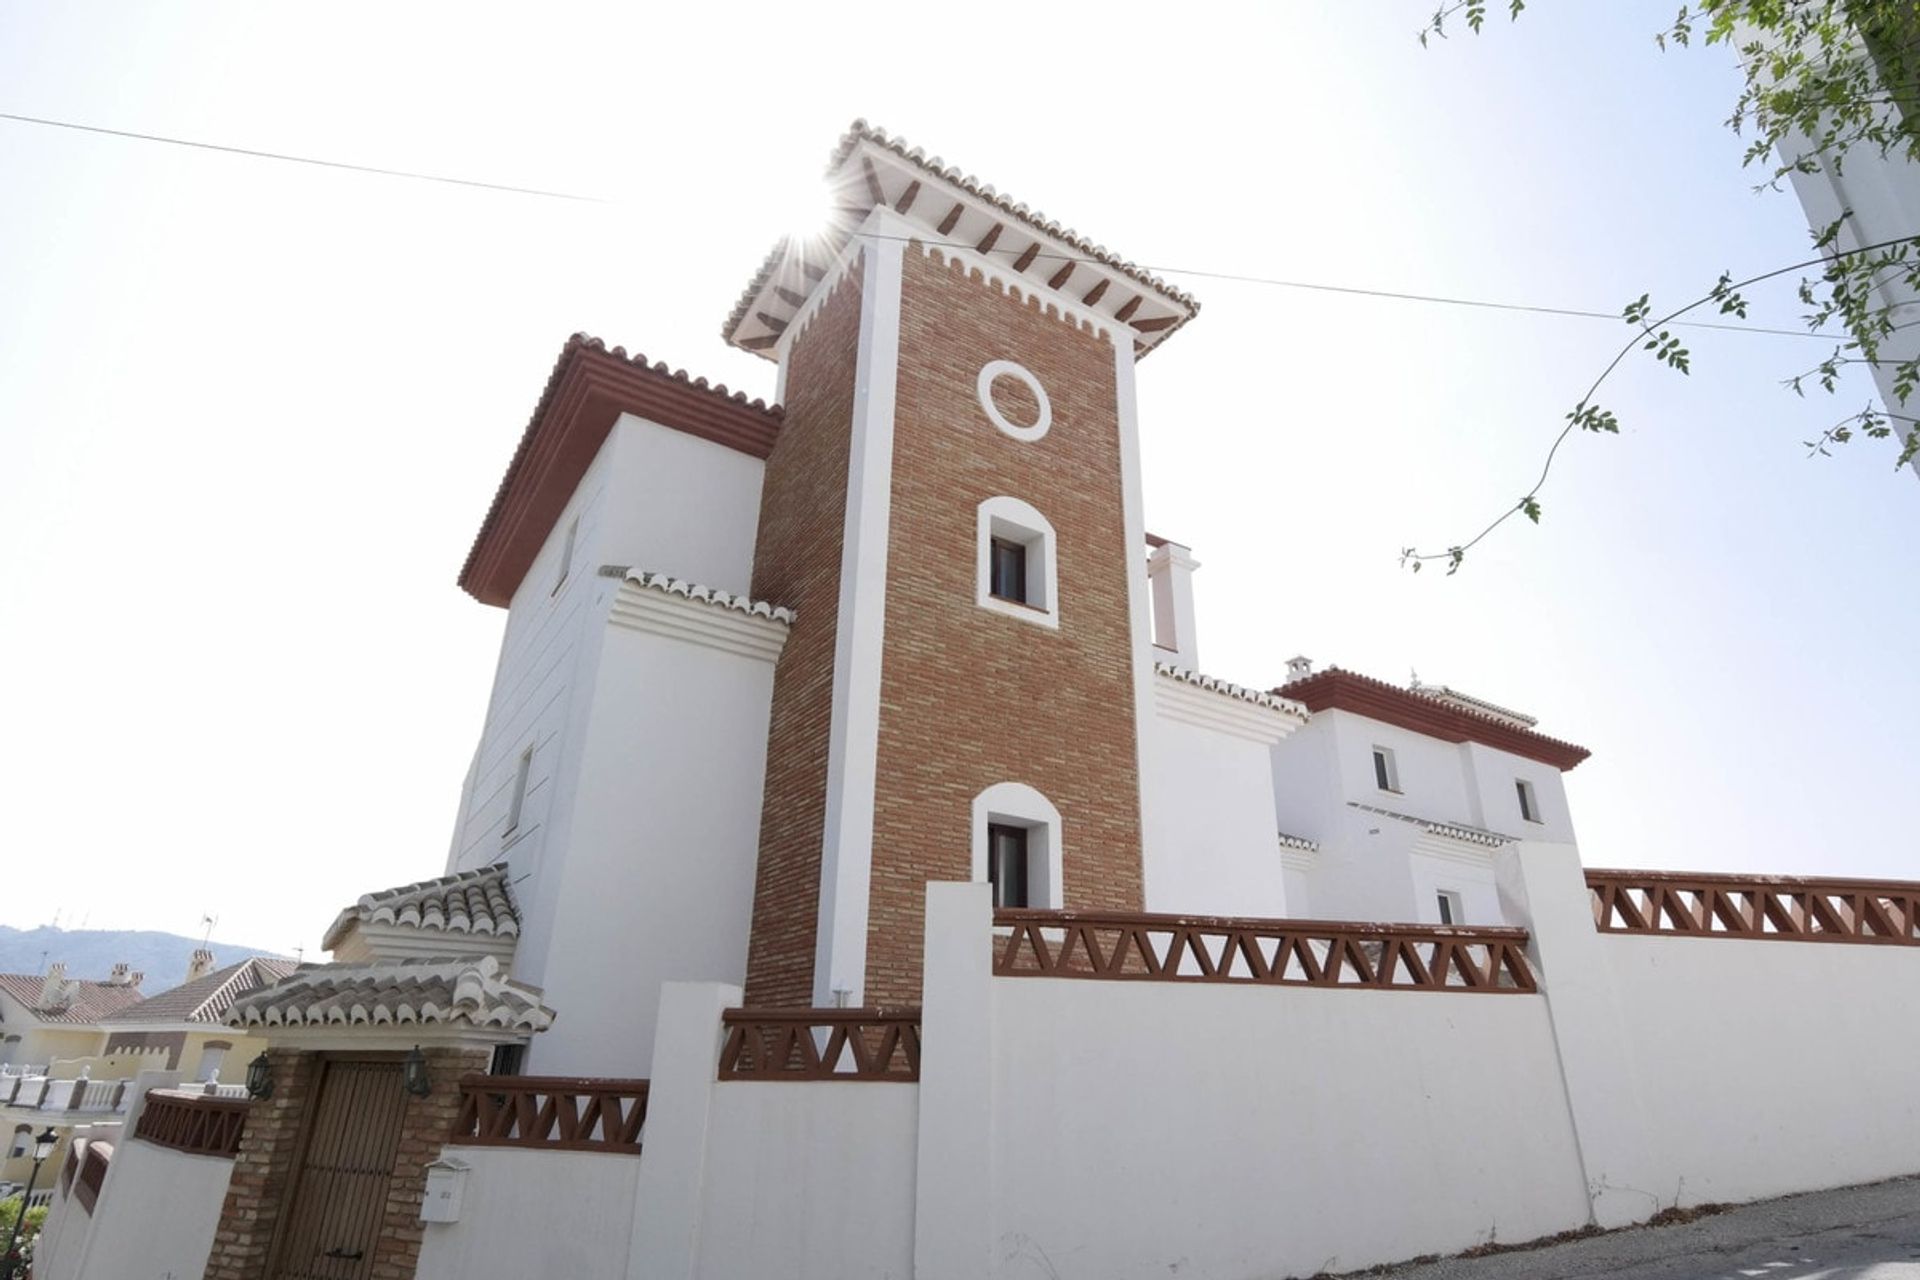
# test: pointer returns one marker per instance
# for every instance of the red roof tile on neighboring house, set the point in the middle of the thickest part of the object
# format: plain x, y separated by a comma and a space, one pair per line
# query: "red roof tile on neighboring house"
1449, 721
589, 389
205, 999
89, 1002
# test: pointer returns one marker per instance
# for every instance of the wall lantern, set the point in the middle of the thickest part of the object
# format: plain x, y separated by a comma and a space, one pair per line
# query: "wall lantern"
44, 1144
260, 1077
418, 1083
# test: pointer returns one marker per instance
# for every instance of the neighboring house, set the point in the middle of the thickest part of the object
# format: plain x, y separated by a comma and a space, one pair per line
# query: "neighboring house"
187, 1023
51, 1026
83, 1043
49, 1016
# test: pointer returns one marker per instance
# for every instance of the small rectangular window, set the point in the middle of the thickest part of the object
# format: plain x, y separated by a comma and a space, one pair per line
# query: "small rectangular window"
507, 1059
1449, 907
1007, 864
519, 798
566, 555
1384, 772
1008, 580
1529, 807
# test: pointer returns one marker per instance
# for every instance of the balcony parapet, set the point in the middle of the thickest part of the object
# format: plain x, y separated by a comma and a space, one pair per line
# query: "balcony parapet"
821, 1044
1766, 908
193, 1122
551, 1113
1344, 955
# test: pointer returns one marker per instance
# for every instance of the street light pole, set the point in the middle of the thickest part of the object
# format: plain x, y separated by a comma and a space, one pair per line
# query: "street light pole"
42, 1148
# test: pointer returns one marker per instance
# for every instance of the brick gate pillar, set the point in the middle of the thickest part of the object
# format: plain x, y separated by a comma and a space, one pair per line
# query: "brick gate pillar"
263, 1172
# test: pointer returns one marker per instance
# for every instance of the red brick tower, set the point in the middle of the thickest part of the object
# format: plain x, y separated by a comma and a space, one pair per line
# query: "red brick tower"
953, 511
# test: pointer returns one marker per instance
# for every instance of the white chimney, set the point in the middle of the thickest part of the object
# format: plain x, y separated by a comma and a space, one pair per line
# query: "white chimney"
1298, 668
1170, 574
200, 965
50, 990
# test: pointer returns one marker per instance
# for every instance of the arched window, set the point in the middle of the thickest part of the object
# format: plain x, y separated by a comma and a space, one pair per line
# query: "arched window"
22, 1140
1016, 846
1017, 571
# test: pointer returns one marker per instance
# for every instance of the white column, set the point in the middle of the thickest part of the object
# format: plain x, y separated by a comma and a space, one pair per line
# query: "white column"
953, 1179
853, 747
1543, 887
1170, 571
673, 1150
1139, 604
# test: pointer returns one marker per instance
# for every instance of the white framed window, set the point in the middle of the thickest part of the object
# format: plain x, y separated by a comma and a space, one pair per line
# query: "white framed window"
1016, 846
212, 1054
1529, 803
1450, 906
1386, 774
1016, 570
994, 370
22, 1139
518, 800
566, 555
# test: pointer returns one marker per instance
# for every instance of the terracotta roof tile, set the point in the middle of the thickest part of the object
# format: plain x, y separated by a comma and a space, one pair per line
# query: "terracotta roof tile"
471, 902
87, 1002
1271, 701
860, 198
591, 385
421, 992
1448, 720
207, 998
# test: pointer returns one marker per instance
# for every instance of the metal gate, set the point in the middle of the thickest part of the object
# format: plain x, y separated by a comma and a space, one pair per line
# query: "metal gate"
332, 1218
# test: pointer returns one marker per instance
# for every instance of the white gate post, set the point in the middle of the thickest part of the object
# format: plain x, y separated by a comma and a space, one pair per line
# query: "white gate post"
953, 1193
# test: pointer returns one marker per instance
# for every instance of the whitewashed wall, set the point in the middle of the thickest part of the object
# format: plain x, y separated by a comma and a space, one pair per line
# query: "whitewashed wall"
1374, 867
1210, 844
644, 792
156, 1214
810, 1181
662, 837
814, 1181
1772, 1067
535, 1213
654, 498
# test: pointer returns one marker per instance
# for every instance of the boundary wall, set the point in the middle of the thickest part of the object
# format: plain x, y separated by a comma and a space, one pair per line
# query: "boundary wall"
1231, 1099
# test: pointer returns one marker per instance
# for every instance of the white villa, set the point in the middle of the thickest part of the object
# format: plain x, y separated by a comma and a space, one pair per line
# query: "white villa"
859, 874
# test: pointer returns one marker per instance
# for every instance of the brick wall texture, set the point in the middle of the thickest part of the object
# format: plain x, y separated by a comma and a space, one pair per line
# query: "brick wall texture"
796, 562
265, 1172
969, 697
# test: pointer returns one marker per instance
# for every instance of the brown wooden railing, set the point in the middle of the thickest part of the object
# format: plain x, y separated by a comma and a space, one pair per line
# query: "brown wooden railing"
1308, 953
1779, 908
93, 1174
193, 1122
551, 1113
821, 1044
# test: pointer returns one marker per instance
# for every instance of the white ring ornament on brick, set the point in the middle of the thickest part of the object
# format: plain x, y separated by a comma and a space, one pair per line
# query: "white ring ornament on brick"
994, 369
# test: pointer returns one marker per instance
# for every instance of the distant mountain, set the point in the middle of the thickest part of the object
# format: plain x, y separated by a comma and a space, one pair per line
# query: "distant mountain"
92, 953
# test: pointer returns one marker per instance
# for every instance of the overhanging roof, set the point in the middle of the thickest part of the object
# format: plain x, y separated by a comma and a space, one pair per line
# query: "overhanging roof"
1448, 721
589, 389
951, 208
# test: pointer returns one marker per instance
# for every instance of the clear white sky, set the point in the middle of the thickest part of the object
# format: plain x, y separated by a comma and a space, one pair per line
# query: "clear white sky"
251, 413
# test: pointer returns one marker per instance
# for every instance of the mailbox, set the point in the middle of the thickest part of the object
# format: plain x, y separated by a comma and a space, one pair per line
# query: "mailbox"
446, 1183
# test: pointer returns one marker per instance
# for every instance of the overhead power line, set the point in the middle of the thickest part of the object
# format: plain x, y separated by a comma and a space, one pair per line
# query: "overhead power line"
1485, 304
278, 155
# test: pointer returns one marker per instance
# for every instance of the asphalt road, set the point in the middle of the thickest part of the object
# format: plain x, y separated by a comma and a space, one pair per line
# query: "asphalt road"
1859, 1233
